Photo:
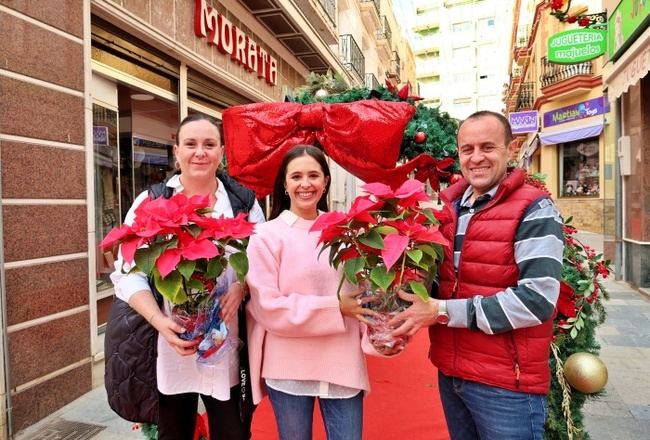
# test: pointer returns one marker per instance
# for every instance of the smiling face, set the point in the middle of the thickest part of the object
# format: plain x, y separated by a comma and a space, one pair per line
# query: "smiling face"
199, 150
483, 152
305, 182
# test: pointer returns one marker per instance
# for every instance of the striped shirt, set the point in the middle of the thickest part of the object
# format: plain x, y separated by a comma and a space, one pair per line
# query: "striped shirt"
539, 245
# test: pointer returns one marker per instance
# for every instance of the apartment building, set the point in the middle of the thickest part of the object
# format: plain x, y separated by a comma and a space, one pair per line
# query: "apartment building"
460, 53
569, 146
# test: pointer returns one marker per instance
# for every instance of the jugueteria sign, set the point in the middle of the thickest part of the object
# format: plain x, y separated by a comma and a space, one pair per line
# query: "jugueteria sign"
577, 45
230, 40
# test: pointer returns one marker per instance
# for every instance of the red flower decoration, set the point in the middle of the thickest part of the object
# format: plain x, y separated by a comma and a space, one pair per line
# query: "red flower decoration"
566, 303
386, 239
172, 240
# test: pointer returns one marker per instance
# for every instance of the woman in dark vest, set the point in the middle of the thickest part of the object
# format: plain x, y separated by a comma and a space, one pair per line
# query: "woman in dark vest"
198, 154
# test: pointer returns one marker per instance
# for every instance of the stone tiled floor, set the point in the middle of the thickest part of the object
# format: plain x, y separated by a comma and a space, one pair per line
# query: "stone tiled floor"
623, 411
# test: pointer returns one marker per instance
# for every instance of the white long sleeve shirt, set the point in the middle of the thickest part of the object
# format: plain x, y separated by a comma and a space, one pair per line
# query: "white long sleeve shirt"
183, 374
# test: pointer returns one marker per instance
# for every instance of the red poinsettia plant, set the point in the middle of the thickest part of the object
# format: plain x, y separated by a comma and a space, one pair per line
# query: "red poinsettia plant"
387, 240
177, 243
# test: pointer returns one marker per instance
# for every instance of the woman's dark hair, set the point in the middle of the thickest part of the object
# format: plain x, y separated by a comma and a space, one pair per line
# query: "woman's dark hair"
281, 200
199, 117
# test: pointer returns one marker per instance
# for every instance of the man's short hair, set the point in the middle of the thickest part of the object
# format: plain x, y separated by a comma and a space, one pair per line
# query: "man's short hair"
507, 129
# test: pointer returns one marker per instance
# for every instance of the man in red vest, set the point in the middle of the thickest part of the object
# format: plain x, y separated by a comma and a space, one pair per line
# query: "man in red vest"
491, 321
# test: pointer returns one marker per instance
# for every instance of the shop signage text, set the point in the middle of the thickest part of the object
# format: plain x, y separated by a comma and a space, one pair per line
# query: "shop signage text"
629, 19
576, 45
524, 122
232, 41
581, 110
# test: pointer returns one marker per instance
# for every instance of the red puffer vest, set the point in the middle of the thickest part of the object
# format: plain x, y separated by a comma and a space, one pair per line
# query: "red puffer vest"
515, 360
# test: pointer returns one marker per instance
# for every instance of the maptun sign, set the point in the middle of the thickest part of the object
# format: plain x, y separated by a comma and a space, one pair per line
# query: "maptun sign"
577, 45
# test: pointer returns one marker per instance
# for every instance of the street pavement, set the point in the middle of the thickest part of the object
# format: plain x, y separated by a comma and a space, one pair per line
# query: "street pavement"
621, 412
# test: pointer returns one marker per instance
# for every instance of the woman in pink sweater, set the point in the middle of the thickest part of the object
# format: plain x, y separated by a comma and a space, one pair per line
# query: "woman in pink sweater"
304, 343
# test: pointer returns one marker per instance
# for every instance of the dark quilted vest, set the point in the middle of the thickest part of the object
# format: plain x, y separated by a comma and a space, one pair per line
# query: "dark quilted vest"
130, 343
515, 360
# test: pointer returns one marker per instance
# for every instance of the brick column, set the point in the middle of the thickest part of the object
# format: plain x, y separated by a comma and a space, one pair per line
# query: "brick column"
44, 208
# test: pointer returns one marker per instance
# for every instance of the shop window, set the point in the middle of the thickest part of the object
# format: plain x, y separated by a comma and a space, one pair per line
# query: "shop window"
107, 198
580, 168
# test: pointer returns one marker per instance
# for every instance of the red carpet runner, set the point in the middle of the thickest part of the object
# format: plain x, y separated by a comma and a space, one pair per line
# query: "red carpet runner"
403, 404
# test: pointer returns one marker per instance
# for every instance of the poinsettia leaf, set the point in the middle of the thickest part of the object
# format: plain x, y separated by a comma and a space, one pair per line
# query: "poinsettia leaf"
377, 189
214, 268
352, 267
239, 262
186, 268
428, 249
574, 332
171, 287
195, 230
385, 229
129, 247
334, 249
394, 246
145, 258
168, 261
432, 271
372, 239
428, 213
415, 255
194, 285
419, 289
380, 277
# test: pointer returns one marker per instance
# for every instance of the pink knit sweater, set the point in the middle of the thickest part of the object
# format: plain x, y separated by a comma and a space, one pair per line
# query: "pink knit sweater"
295, 328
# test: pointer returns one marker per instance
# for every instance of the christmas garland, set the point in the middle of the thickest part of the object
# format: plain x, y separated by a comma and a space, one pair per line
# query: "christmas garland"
580, 310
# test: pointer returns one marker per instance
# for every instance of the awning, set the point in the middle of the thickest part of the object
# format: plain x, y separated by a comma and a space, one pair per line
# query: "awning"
573, 134
630, 68
529, 151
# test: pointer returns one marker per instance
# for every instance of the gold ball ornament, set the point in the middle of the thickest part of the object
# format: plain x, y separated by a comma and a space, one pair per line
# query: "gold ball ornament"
321, 94
585, 372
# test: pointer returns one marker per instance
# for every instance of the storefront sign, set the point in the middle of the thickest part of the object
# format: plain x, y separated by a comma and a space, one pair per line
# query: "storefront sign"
232, 41
626, 23
574, 112
523, 122
100, 135
576, 45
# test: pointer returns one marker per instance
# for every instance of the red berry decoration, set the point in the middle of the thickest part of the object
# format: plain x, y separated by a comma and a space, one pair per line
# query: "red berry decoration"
455, 178
584, 21
420, 137
572, 19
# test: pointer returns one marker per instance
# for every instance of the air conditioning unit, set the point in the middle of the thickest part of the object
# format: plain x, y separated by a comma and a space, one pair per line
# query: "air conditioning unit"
624, 155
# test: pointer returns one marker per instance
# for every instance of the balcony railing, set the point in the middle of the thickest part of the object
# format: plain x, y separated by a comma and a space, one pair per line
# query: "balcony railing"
352, 56
376, 2
554, 73
385, 32
526, 99
371, 82
330, 9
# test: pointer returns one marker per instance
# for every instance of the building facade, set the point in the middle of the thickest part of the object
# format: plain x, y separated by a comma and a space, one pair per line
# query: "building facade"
461, 53
92, 92
628, 90
568, 144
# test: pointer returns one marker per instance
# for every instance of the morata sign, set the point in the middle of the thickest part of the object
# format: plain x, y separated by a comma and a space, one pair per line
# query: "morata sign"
233, 42
577, 45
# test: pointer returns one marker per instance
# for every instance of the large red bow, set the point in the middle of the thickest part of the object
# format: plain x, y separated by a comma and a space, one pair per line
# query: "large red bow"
364, 137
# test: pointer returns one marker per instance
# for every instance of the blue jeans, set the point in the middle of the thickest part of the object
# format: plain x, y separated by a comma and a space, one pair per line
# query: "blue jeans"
294, 415
477, 411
